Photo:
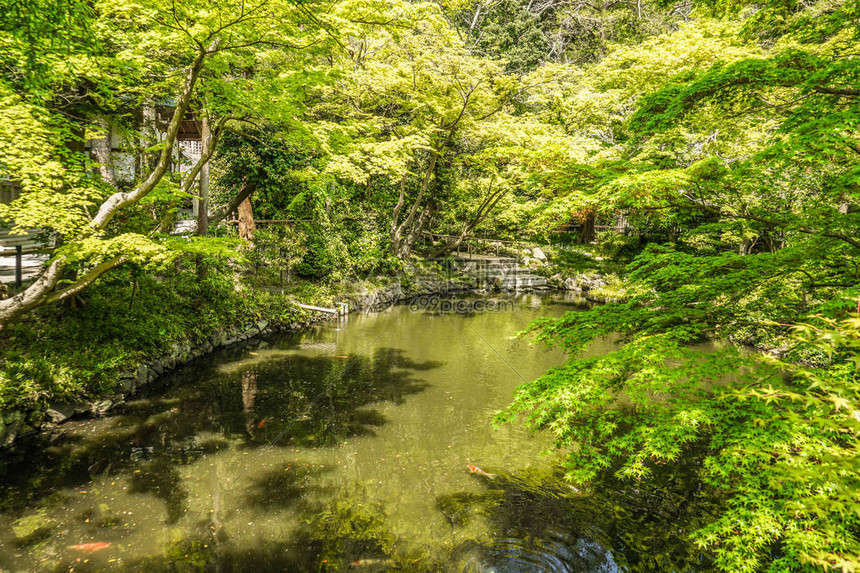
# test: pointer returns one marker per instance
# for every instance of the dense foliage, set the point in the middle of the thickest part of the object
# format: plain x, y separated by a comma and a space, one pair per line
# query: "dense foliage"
721, 137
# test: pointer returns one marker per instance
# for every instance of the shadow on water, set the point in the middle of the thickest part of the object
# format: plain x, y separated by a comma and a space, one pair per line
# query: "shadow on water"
286, 489
161, 478
543, 525
315, 401
292, 399
347, 533
538, 523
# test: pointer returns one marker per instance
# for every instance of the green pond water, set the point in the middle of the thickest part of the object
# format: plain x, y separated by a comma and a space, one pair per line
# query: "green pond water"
342, 448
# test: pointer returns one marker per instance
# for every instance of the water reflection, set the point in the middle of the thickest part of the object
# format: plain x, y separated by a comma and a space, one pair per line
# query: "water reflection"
540, 524
313, 400
249, 394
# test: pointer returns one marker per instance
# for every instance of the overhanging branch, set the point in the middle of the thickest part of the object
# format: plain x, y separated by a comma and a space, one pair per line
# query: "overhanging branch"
85, 280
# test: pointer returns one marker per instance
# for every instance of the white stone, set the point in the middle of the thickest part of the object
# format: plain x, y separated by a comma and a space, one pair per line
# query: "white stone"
56, 416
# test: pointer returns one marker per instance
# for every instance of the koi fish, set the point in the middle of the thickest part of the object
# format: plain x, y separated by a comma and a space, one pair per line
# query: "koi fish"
478, 471
98, 546
339, 356
261, 423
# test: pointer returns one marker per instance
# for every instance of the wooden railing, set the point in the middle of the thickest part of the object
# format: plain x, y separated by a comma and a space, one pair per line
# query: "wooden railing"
576, 227
18, 246
270, 221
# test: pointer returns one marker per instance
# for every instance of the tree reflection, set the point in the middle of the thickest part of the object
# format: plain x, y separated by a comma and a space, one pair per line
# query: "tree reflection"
249, 394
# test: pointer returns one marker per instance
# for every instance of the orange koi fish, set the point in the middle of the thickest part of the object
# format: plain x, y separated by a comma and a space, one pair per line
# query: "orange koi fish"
478, 471
339, 356
261, 423
98, 546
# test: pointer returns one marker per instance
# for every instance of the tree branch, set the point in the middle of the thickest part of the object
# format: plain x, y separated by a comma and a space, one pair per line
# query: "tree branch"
774, 222
850, 92
204, 159
423, 190
245, 191
401, 201
85, 280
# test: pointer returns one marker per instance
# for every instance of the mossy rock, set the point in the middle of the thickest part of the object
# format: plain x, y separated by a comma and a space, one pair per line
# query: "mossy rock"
32, 529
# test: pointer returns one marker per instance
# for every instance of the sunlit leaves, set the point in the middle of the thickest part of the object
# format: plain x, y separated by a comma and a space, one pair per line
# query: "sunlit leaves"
777, 440
27, 143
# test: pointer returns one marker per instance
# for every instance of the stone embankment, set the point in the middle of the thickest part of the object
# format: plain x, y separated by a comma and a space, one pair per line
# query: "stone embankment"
18, 423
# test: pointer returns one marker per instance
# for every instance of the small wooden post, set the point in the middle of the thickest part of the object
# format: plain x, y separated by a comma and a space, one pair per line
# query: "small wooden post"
18, 278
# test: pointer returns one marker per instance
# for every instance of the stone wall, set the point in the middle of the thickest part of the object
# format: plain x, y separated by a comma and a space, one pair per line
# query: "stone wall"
16, 424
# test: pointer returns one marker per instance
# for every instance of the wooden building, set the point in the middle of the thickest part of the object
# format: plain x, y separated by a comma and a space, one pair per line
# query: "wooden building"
9, 191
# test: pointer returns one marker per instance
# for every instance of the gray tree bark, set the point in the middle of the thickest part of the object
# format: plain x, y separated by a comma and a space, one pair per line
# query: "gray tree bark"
101, 152
203, 208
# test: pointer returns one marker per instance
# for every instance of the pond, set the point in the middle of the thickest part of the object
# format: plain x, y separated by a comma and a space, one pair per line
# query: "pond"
363, 445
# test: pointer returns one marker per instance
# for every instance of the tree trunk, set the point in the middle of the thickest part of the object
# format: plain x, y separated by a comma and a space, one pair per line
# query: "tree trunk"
587, 234
148, 137
405, 238
448, 248
245, 191
246, 220
101, 152
484, 210
203, 205
404, 235
408, 240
